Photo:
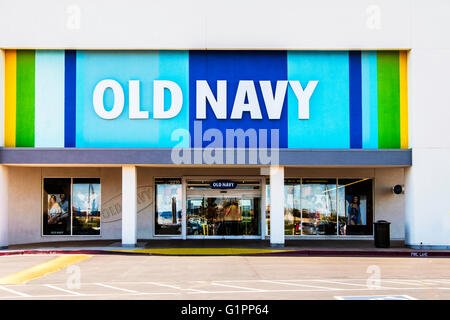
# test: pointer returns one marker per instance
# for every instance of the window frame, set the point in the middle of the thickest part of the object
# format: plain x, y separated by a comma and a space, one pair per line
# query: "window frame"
337, 235
71, 213
155, 209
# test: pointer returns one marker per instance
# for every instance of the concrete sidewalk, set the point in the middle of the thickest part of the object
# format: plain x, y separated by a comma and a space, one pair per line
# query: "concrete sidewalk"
226, 247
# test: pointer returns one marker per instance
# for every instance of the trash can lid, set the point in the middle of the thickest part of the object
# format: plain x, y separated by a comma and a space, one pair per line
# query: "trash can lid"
382, 221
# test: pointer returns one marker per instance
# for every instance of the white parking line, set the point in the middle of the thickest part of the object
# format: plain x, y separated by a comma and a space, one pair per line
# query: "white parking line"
15, 292
86, 295
268, 291
64, 290
116, 288
196, 290
379, 297
407, 282
354, 284
163, 285
349, 286
174, 287
282, 280
439, 281
39, 297
300, 285
344, 283
306, 290
247, 289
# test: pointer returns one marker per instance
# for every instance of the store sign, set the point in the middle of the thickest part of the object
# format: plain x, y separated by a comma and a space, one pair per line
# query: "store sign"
245, 99
223, 184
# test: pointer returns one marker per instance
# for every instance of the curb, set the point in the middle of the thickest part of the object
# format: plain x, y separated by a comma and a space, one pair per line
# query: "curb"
362, 253
291, 253
37, 252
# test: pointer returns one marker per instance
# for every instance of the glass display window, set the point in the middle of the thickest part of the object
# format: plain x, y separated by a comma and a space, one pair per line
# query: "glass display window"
168, 213
71, 206
355, 206
325, 206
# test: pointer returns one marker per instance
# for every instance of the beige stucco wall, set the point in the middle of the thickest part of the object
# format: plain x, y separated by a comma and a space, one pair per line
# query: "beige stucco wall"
25, 196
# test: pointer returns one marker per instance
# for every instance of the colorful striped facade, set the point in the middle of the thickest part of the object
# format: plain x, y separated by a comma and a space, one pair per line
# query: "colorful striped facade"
359, 103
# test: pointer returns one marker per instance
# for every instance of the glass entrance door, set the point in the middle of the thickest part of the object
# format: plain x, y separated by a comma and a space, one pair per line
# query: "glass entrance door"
168, 209
216, 214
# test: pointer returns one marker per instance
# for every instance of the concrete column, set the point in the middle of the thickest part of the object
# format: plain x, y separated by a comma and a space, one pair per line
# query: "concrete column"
427, 209
129, 206
276, 206
3, 207
427, 212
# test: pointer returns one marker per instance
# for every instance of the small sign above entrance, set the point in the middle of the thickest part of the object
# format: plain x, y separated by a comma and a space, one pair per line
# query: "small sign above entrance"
223, 184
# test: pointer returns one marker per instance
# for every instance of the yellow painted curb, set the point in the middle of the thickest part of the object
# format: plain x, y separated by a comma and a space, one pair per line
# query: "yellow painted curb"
201, 251
43, 269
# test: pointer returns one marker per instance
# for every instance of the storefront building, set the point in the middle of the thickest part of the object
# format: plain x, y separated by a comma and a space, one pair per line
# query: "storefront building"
185, 133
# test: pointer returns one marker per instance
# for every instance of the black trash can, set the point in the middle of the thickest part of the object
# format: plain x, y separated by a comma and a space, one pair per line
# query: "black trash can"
382, 234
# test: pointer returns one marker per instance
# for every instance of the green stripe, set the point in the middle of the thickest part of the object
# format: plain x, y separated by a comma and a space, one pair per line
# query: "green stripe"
388, 100
25, 98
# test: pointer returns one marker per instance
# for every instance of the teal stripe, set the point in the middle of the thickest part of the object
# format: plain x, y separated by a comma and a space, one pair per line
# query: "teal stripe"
174, 65
329, 123
369, 99
49, 122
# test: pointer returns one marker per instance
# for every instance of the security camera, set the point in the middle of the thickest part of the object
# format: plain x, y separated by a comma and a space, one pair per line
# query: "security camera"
398, 189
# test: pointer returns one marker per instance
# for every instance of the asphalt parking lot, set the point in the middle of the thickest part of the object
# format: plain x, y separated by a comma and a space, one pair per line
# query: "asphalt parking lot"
229, 277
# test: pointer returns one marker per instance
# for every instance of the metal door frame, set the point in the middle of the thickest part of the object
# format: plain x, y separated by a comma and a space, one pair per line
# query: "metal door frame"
238, 193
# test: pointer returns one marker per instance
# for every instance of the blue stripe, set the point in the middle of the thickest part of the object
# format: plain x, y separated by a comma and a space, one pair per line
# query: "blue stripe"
234, 66
70, 98
355, 99
369, 99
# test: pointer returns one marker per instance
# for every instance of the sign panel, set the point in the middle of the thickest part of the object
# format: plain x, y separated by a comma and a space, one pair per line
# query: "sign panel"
165, 99
223, 184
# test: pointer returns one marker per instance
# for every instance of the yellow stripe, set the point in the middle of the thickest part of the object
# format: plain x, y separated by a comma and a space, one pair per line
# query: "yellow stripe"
201, 251
403, 100
42, 269
10, 97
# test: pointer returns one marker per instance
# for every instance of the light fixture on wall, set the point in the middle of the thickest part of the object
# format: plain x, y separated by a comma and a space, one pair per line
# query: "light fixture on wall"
398, 189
